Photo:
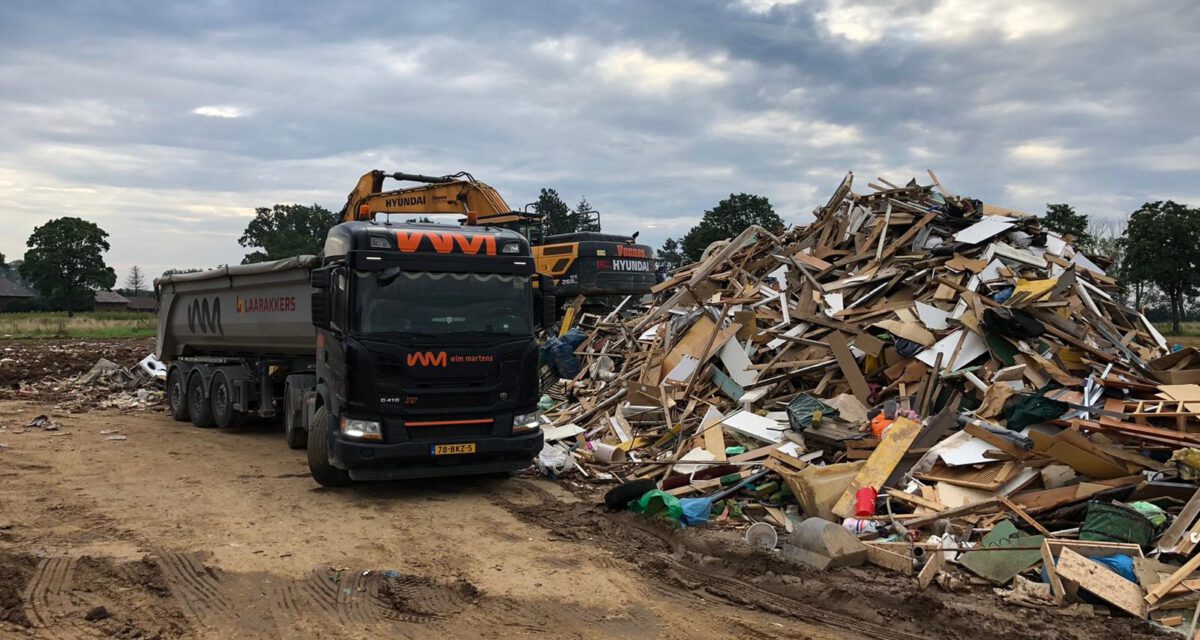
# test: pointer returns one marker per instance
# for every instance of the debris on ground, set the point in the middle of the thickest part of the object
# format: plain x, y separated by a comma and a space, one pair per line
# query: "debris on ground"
75, 387
944, 381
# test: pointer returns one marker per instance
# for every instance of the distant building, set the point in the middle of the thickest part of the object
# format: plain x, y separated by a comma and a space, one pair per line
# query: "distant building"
11, 292
147, 304
110, 301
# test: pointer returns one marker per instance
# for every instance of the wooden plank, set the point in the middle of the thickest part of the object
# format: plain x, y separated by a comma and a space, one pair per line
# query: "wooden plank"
889, 559
1163, 587
1102, 582
916, 500
714, 434
1174, 533
933, 565
1056, 586
964, 510
907, 236
879, 466
1024, 516
845, 360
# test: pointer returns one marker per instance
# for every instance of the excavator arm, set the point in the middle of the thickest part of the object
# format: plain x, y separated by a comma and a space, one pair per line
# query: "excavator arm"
458, 194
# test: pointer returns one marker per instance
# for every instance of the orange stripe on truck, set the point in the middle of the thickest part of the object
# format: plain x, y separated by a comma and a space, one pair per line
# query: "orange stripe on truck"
438, 423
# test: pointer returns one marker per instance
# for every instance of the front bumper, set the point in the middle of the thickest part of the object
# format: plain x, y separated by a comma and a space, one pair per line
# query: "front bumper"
394, 461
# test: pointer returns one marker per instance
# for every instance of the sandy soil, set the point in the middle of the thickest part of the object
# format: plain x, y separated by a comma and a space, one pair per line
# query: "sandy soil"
178, 532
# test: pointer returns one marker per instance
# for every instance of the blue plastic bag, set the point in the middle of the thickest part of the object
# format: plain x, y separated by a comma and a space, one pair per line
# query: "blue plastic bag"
695, 511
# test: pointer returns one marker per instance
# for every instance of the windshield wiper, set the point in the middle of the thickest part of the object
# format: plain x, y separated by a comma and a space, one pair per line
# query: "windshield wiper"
482, 334
402, 334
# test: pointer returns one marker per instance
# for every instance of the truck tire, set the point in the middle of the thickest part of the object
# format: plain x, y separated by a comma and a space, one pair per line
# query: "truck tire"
221, 397
324, 473
177, 397
293, 416
198, 407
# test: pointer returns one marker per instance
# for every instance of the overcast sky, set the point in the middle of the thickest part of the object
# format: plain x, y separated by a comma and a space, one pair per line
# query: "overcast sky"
167, 122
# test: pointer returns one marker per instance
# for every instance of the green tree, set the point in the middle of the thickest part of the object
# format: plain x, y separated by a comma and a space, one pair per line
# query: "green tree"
1062, 219
136, 281
1162, 247
585, 217
556, 215
286, 230
3, 263
64, 262
730, 217
669, 256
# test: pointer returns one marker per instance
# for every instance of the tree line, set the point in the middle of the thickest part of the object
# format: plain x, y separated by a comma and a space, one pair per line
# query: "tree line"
1154, 253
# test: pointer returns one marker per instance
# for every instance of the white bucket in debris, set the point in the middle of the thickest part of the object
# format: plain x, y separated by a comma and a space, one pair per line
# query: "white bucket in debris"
153, 367
761, 534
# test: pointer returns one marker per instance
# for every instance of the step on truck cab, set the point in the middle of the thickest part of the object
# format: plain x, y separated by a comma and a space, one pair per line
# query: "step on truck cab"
420, 361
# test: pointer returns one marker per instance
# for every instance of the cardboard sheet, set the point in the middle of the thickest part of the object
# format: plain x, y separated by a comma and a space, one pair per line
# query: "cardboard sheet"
982, 230
973, 346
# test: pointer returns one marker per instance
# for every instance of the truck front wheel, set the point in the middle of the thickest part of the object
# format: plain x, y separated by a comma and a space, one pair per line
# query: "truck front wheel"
198, 406
177, 395
324, 473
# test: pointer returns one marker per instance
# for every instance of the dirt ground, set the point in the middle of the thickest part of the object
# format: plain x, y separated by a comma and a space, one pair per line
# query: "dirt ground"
179, 532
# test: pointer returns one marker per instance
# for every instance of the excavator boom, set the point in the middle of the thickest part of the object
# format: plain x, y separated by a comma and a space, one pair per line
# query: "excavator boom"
458, 194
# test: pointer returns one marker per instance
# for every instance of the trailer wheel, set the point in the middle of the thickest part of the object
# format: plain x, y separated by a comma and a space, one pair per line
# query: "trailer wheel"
221, 396
293, 416
198, 406
177, 395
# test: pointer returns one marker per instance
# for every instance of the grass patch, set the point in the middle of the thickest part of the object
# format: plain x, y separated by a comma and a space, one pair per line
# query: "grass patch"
1185, 328
94, 324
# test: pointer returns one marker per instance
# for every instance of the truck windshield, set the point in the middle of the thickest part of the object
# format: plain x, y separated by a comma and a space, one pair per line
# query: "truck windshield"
393, 301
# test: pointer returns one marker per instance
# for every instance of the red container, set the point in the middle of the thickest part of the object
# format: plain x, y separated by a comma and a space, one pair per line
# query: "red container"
864, 502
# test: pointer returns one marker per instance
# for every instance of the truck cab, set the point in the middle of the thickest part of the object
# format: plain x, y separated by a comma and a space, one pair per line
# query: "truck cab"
426, 362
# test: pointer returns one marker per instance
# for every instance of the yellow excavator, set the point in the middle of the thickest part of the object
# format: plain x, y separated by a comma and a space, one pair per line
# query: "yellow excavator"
588, 264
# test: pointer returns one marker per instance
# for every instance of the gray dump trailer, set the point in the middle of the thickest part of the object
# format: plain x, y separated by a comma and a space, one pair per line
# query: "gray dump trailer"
234, 337
404, 351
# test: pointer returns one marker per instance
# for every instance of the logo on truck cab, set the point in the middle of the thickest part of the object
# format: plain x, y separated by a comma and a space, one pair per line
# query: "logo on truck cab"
440, 359
426, 359
445, 242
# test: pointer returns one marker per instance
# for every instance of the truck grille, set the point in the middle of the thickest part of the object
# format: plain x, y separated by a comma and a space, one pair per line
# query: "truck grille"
450, 401
450, 432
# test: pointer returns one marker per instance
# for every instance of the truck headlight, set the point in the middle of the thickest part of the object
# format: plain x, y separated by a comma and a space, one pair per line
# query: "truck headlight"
361, 429
526, 422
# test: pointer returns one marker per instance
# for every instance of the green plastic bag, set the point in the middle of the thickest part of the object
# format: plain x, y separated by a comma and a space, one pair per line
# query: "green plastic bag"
1034, 408
1153, 513
1116, 522
658, 504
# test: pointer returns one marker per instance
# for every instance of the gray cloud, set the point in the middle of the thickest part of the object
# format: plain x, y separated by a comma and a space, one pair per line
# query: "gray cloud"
168, 123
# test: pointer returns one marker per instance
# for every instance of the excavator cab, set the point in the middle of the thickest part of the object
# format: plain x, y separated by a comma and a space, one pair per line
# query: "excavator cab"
529, 225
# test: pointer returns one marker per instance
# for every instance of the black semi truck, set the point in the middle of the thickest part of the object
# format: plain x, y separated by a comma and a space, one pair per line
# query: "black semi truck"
405, 350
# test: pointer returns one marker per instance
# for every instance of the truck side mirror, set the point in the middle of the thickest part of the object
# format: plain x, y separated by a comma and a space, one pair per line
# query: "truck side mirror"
321, 278
322, 309
322, 300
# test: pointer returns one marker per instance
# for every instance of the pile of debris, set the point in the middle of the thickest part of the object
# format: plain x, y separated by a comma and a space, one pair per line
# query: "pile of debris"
918, 380
106, 385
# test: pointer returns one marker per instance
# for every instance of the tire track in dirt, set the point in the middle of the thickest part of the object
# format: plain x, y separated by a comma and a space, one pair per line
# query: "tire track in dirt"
195, 588
47, 593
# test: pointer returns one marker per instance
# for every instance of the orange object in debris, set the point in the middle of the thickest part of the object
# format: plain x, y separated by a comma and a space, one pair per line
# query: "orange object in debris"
880, 424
